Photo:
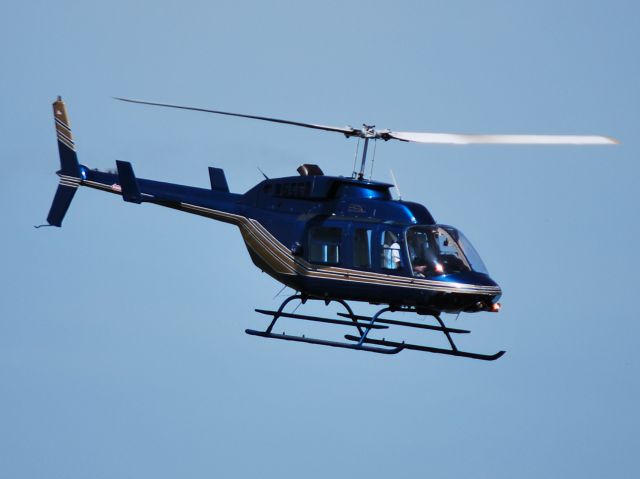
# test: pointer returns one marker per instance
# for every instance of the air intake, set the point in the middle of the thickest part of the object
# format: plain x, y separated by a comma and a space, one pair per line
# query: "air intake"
310, 170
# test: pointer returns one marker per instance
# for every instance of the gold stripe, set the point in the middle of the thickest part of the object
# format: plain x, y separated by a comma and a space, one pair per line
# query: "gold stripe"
248, 233
280, 259
278, 253
355, 275
369, 275
62, 125
63, 133
66, 142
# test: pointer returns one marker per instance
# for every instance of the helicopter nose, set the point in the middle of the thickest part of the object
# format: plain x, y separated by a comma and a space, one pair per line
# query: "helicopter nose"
477, 292
470, 278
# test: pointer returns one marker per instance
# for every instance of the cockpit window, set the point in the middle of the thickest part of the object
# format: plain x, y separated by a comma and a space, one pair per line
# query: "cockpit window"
436, 250
469, 251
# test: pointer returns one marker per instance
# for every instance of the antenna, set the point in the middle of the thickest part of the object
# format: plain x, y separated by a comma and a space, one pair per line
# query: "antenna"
260, 170
395, 184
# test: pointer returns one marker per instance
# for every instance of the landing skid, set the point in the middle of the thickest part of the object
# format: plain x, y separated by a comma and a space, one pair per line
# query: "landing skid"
428, 349
363, 325
323, 342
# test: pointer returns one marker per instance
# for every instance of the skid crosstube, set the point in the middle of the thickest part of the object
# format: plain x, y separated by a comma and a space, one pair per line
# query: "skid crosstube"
319, 319
428, 349
408, 324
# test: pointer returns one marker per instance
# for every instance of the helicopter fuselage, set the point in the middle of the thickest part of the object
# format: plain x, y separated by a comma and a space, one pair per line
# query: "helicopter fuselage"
327, 237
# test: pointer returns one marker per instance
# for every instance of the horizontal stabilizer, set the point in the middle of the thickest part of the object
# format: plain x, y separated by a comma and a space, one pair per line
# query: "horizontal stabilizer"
218, 180
128, 182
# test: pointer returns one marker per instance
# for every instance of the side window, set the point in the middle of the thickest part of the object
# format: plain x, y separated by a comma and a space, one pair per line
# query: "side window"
390, 257
324, 245
362, 248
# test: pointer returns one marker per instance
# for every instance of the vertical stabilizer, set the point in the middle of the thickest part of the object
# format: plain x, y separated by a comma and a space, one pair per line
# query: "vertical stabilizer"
69, 172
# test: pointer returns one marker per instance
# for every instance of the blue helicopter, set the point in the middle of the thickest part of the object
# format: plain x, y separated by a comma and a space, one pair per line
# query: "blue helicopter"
329, 238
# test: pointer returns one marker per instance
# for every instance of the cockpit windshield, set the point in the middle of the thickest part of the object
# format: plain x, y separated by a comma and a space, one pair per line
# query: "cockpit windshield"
436, 250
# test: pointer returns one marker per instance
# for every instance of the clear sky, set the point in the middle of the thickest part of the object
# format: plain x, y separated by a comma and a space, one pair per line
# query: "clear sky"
122, 345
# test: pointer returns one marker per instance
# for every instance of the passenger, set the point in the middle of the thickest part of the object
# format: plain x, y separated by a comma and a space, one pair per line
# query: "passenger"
391, 252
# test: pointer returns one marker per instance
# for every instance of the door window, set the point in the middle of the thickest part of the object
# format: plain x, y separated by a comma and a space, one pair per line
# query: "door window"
362, 248
324, 245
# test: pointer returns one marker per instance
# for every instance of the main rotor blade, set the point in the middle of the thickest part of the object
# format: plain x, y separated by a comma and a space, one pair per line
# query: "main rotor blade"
462, 139
348, 131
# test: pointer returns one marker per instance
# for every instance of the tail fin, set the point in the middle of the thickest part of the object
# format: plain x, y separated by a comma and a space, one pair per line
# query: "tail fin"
69, 173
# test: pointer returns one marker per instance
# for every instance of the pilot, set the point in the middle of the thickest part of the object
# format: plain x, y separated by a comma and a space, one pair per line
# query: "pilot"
417, 246
420, 268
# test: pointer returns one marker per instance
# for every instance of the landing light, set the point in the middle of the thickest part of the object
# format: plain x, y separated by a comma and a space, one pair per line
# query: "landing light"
495, 307
439, 268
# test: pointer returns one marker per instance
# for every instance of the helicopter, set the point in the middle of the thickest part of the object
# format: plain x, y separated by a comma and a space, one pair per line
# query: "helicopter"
329, 238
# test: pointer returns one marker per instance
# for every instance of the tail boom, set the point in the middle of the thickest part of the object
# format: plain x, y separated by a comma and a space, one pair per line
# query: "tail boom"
123, 182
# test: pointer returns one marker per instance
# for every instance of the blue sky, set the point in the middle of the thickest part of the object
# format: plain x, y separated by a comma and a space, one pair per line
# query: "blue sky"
122, 345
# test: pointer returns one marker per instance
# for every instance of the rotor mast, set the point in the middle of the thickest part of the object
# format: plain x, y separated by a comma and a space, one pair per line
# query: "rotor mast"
368, 132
